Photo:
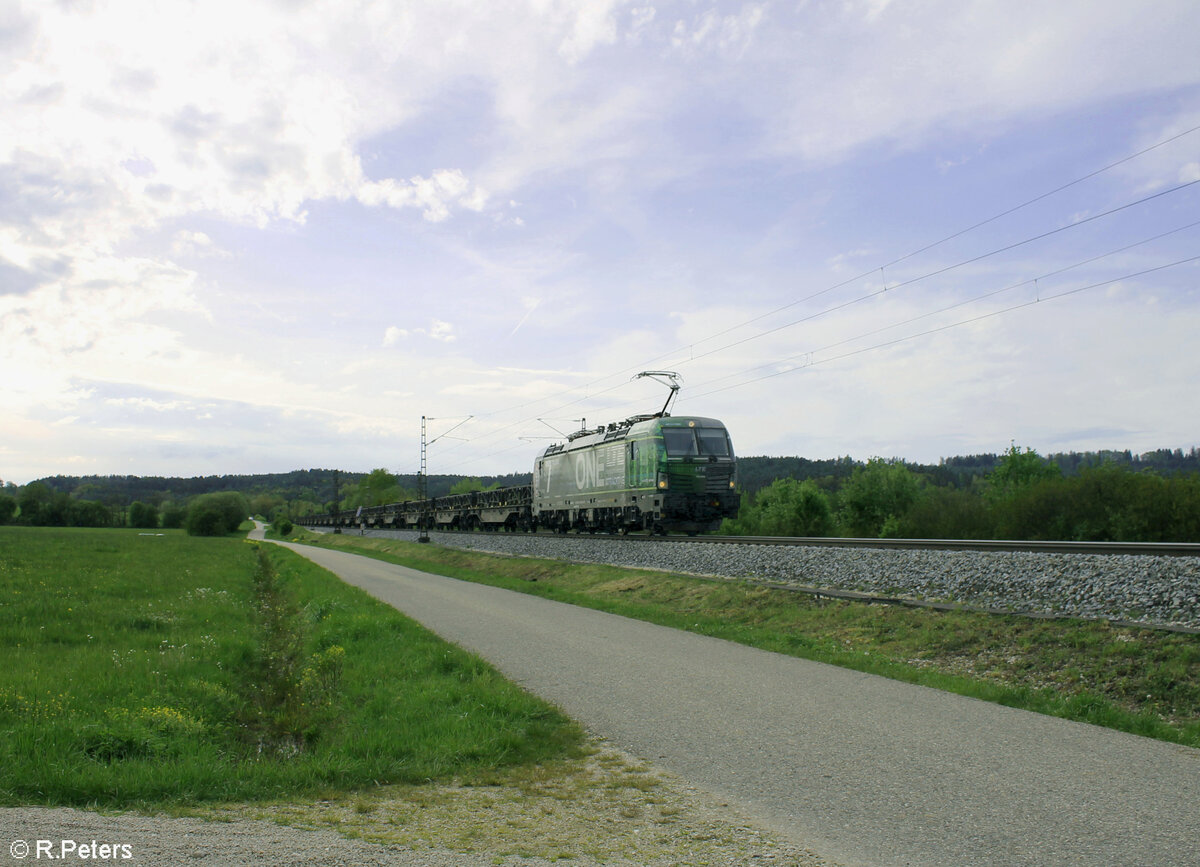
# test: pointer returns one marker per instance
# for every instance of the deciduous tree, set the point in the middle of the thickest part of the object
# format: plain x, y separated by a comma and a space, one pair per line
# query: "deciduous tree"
877, 496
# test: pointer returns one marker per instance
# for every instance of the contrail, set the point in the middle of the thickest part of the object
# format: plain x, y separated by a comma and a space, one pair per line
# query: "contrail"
532, 306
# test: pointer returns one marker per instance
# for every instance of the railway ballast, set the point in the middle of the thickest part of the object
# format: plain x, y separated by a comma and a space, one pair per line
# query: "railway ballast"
1153, 590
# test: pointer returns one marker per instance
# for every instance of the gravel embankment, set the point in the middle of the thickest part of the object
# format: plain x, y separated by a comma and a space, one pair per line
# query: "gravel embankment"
1146, 589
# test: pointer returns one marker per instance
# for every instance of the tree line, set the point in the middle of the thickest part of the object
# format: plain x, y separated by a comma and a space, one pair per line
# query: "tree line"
296, 493
202, 505
963, 471
37, 505
1020, 495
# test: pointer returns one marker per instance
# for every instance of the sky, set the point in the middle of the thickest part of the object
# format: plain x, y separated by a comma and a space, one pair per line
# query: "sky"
266, 235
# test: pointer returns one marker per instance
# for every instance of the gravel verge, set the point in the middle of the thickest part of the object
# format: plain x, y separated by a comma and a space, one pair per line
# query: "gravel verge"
1145, 589
608, 808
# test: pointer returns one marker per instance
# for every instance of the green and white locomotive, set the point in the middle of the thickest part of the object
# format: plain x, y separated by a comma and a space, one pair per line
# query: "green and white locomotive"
658, 473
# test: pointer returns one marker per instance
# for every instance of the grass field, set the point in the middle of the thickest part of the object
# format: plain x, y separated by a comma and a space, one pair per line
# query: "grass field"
1137, 680
151, 669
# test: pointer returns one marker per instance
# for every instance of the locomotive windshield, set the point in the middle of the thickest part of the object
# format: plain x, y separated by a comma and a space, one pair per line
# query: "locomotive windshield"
680, 441
686, 441
713, 441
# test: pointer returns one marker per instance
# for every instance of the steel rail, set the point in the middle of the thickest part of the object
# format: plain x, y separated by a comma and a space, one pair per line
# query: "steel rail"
1146, 549
1174, 549
1156, 549
1095, 548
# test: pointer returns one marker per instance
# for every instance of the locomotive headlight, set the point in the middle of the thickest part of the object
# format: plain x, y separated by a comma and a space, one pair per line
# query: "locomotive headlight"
731, 484
662, 481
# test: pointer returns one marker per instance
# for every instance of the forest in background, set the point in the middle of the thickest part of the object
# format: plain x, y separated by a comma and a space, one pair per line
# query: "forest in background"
1097, 497
1019, 494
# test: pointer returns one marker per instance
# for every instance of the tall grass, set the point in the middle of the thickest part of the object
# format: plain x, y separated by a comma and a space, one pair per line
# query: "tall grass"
139, 671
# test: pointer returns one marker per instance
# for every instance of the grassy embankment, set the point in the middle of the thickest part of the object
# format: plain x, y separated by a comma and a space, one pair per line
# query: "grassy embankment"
145, 670
1136, 680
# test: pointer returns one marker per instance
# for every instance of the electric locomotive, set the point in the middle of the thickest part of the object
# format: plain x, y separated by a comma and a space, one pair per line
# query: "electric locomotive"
658, 473
653, 472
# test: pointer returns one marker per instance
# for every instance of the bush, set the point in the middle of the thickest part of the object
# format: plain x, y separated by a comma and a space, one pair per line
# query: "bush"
1018, 471
88, 513
785, 508
284, 526
206, 519
143, 516
57, 512
216, 514
1105, 504
173, 517
876, 496
8, 507
33, 501
946, 513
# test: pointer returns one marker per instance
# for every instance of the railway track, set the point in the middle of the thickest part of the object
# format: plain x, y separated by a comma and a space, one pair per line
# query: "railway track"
1156, 549
1149, 549
1147, 584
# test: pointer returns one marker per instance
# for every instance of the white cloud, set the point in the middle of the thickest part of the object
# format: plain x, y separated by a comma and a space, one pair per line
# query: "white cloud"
437, 330
851, 74
709, 30
640, 18
593, 25
148, 403
394, 335
196, 244
433, 195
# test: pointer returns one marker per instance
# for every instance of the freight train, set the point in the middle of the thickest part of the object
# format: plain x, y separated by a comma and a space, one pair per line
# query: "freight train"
654, 473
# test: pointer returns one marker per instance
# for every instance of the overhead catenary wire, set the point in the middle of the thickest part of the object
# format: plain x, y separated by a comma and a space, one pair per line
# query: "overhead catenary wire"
954, 306
1041, 298
871, 295
591, 392
870, 271
948, 268
981, 317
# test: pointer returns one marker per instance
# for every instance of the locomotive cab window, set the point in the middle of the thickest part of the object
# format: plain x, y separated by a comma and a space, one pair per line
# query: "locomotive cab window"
688, 442
713, 441
680, 441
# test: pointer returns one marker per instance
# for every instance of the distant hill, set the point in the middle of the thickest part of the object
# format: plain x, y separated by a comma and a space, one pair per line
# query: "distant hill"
754, 473
315, 485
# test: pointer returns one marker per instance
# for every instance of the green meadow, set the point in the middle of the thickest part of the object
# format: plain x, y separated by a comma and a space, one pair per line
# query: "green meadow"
151, 669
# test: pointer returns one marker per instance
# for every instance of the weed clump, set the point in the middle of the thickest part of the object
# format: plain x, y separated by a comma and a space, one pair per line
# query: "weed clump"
289, 695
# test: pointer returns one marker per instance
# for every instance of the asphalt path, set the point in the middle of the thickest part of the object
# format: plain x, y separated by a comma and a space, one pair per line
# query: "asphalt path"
861, 769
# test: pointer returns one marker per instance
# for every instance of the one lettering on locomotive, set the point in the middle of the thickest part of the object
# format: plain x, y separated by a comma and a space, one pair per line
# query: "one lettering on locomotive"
655, 473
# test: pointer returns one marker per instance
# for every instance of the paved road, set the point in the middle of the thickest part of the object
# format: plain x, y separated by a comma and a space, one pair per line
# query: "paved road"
859, 768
